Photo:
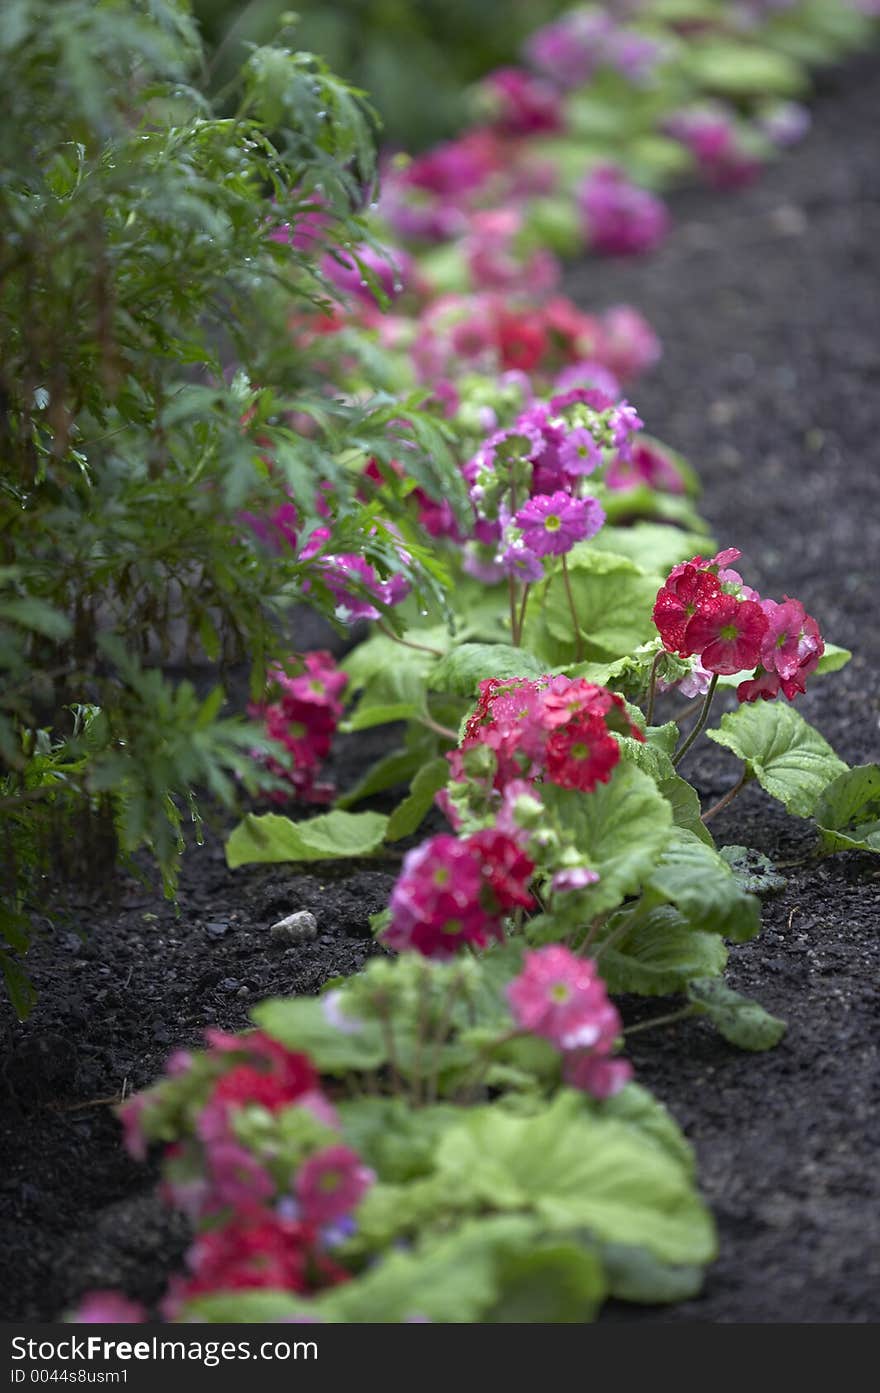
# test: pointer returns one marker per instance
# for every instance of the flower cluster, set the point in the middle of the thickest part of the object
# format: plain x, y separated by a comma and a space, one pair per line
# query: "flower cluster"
518, 103
570, 50
454, 891
549, 338
527, 483
301, 718
705, 610
620, 218
556, 729
724, 149
270, 1205
562, 998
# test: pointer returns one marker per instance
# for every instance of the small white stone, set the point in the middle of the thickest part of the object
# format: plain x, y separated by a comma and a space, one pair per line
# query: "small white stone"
296, 928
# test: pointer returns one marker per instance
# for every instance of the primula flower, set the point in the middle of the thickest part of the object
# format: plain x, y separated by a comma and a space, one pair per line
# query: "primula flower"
107, 1308
520, 104
331, 1183
620, 218
302, 721
644, 462
552, 524
562, 998
596, 1074
581, 754
451, 891
236, 1177
579, 453
260, 1250
686, 594
573, 878
628, 344
727, 633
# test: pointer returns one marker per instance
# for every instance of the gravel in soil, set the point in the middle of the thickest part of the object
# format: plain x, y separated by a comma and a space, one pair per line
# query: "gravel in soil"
768, 305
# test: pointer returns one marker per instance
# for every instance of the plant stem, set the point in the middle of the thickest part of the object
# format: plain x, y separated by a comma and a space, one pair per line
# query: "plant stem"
394, 1070
578, 640
522, 612
591, 932
728, 797
652, 687
448, 734
514, 627
661, 1020
701, 722
619, 933
687, 711
406, 642
440, 1037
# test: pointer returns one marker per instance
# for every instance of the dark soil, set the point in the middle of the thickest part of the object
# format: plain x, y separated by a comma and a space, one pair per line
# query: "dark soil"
768, 304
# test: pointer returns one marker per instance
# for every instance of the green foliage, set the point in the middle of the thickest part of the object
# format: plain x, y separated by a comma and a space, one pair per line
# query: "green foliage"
613, 597
744, 1023
790, 759
848, 811
269, 837
467, 665
153, 394
754, 872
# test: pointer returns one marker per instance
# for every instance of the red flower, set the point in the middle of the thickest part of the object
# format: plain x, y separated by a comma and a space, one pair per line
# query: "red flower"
506, 870
581, 754
521, 344
687, 593
727, 633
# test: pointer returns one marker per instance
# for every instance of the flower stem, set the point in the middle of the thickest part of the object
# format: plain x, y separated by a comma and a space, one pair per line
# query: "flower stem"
728, 797
428, 721
661, 1020
619, 933
522, 611
406, 642
578, 640
514, 628
652, 687
701, 722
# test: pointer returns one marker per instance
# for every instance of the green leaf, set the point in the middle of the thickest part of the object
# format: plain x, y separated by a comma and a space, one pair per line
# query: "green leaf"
754, 872
408, 815
395, 768
790, 759
613, 599
848, 812
300, 1023
633, 1274
328, 837
741, 1021
546, 1281
738, 70
653, 546
693, 877
247, 1308
833, 659
37, 616
660, 954
576, 1171
465, 667
620, 828
21, 989
685, 804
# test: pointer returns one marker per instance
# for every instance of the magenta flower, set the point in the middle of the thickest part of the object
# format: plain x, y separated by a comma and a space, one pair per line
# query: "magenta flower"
130, 1114
621, 218
780, 651
562, 999
107, 1308
237, 1177
552, 524
331, 1183
579, 453
728, 634
522, 563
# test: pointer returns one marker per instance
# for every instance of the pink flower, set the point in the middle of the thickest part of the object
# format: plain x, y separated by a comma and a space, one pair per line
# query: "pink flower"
107, 1308
237, 1178
130, 1114
552, 524
331, 1183
621, 219
596, 1074
389, 269
435, 905
629, 345
573, 878
562, 998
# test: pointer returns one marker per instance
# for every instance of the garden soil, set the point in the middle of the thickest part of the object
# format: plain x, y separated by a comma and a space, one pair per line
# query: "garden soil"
768, 305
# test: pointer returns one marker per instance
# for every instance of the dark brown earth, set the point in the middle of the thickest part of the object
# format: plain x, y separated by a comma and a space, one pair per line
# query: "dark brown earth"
768, 304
